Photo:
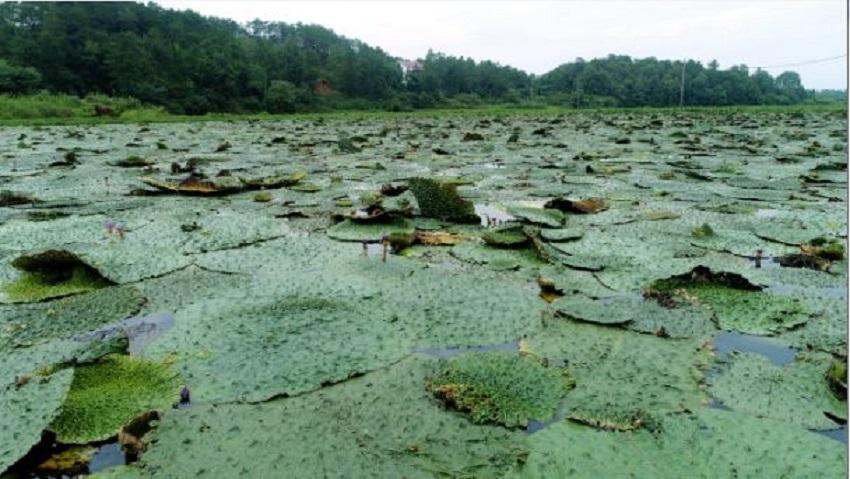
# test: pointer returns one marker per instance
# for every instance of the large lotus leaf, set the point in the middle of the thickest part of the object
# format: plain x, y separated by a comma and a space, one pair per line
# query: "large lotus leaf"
349, 230
752, 194
458, 308
796, 394
20, 235
28, 409
440, 304
708, 444
107, 394
33, 386
499, 259
620, 248
130, 263
800, 280
637, 275
504, 388
745, 310
621, 377
639, 314
741, 243
176, 290
826, 330
541, 216
384, 424
561, 234
611, 310
506, 237
119, 262
298, 253
228, 350
571, 281
17, 362
226, 229
23, 325
788, 233
684, 321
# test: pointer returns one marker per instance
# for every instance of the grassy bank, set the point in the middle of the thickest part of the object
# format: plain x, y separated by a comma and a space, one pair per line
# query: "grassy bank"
50, 109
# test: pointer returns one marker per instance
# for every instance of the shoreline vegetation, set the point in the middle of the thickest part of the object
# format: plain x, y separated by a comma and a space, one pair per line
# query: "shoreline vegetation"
46, 109
59, 62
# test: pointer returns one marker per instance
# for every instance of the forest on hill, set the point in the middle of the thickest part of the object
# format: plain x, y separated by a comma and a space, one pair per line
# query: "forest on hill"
192, 64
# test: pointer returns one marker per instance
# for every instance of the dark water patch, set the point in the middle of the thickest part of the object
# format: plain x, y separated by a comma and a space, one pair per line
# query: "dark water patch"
141, 330
447, 353
537, 426
764, 262
839, 435
717, 404
728, 341
108, 455
36, 464
789, 290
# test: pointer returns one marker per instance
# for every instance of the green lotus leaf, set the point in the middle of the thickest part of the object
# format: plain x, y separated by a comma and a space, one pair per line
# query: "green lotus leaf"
499, 259
505, 237
24, 325
105, 395
561, 234
795, 394
349, 230
384, 424
709, 443
736, 305
622, 377
540, 216
29, 406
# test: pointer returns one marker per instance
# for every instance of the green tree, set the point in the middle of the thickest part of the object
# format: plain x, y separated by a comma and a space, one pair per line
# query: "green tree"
18, 79
281, 97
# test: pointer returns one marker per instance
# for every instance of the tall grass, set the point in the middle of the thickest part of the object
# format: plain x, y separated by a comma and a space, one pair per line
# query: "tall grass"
51, 109
57, 106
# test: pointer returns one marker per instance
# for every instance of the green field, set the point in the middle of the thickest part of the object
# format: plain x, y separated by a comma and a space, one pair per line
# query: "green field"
480, 293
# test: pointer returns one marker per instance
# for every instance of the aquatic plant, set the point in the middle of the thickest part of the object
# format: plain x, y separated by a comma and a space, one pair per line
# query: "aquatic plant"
51, 274
440, 200
504, 388
107, 394
703, 231
737, 303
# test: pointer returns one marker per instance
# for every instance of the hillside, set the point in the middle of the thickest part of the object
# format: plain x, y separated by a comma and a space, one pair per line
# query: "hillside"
192, 64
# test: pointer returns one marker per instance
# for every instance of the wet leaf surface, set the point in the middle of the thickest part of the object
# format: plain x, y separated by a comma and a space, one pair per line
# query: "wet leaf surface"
298, 341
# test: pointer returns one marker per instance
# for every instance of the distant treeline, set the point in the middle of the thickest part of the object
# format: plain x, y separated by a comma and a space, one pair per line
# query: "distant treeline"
193, 64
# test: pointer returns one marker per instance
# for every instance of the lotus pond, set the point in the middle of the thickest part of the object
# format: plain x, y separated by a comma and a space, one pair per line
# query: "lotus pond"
591, 295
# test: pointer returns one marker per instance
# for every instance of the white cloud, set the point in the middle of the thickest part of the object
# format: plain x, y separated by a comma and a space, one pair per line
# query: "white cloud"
539, 35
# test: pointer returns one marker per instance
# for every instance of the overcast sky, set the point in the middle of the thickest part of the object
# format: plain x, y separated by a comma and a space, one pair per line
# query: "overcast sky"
537, 36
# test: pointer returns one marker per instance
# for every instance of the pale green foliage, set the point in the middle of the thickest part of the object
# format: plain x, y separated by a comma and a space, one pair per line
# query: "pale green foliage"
504, 388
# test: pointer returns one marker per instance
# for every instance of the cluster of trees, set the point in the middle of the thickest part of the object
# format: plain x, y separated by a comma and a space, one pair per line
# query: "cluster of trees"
193, 64
619, 80
441, 76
